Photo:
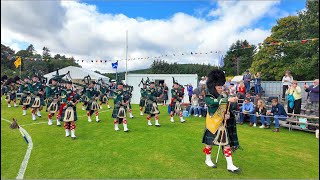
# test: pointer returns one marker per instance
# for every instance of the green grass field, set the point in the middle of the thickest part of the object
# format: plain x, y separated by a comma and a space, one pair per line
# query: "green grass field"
171, 151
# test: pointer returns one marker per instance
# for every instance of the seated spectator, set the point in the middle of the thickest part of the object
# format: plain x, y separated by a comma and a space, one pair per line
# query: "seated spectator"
246, 109
241, 90
248, 95
278, 112
261, 112
256, 99
202, 108
313, 91
194, 105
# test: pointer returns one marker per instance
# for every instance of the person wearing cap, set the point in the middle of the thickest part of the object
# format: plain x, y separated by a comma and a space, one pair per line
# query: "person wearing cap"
93, 96
36, 93
202, 81
119, 103
218, 122
151, 104
246, 80
52, 96
176, 98
69, 99
25, 88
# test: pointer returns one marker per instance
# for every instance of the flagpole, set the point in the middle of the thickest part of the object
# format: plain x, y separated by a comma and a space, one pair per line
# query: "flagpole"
126, 54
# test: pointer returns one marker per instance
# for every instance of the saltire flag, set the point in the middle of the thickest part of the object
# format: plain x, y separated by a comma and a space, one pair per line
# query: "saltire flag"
17, 62
114, 65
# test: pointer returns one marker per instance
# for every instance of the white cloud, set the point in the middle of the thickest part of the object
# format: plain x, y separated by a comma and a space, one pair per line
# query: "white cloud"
79, 30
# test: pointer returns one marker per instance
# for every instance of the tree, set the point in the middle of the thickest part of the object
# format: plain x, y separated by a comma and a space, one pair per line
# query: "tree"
46, 53
30, 49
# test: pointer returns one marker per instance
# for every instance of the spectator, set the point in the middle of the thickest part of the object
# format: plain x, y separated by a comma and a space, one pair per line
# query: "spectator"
203, 90
237, 86
202, 105
247, 109
313, 91
194, 105
165, 93
227, 84
241, 90
277, 111
248, 95
286, 82
246, 80
256, 99
202, 81
190, 91
294, 90
232, 90
257, 83
261, 112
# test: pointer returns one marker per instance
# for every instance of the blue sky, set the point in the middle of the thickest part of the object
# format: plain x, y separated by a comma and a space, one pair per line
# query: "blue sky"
165, 9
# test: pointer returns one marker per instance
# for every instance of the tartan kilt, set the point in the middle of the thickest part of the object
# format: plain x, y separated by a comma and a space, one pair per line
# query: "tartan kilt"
74, 110
149, 108
23, 98
165, 97
208, 137
12, 96
142, 102
101, 98
42, 103
49, 103
173, 106
89, 105
115, 111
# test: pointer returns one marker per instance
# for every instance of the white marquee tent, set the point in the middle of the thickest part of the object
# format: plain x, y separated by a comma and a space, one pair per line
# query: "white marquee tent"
78, 73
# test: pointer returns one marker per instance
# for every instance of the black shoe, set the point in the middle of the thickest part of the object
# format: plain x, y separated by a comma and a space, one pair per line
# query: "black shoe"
235, 171
157, 125
73, 138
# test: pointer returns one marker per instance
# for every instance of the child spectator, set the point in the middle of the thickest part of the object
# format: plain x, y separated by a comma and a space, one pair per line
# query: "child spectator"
202, 105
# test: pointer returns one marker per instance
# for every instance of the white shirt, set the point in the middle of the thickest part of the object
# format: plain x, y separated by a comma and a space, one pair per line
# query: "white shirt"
203, 82
288, 78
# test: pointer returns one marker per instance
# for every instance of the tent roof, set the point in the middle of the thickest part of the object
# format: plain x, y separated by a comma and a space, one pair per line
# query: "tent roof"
237, 79
77, 73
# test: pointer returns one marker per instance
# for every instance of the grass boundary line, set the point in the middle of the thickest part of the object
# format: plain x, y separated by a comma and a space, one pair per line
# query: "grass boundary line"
25, 161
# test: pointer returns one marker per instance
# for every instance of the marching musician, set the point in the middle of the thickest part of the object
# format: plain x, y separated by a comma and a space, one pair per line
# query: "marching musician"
151, 106
104, 90
119, 112
218, 132
4, 79
37, 100
53, 98
143, 98
68, 109
26, 89
12, 88
127, 95
92, 105
176, 98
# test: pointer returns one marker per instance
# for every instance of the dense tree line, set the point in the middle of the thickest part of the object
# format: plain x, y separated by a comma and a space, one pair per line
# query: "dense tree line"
43, 64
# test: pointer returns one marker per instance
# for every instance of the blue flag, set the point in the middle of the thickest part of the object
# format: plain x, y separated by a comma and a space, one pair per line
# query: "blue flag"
221, 61
114, 65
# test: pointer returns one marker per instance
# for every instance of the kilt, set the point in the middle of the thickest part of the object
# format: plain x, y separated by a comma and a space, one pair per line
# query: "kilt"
149, 108
23, 98
165, 97
49, 103
208, 137
101, 98
142, 102
89, 105
42, 103
115, 111
173, 106
74, 110
12, 96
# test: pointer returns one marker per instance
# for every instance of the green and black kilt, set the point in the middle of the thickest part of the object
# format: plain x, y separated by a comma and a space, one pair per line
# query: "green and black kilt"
74, 113
101, 98
42, 103
49, 103
208, 137
115, 112
13, 96
23, 98
165, 97
173, 106
149, 108
89, 105
142, 102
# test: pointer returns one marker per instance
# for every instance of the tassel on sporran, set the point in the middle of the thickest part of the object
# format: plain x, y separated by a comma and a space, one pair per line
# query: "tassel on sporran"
36, 102
53, 108
222, 131
121, 113
177, 107
27, 101
68, 115
154, 109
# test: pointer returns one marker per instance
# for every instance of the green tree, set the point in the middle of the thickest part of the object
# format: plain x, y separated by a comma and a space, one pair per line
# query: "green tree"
46, 53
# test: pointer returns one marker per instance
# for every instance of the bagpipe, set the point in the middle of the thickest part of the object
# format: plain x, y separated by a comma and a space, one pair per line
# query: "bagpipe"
128, 92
